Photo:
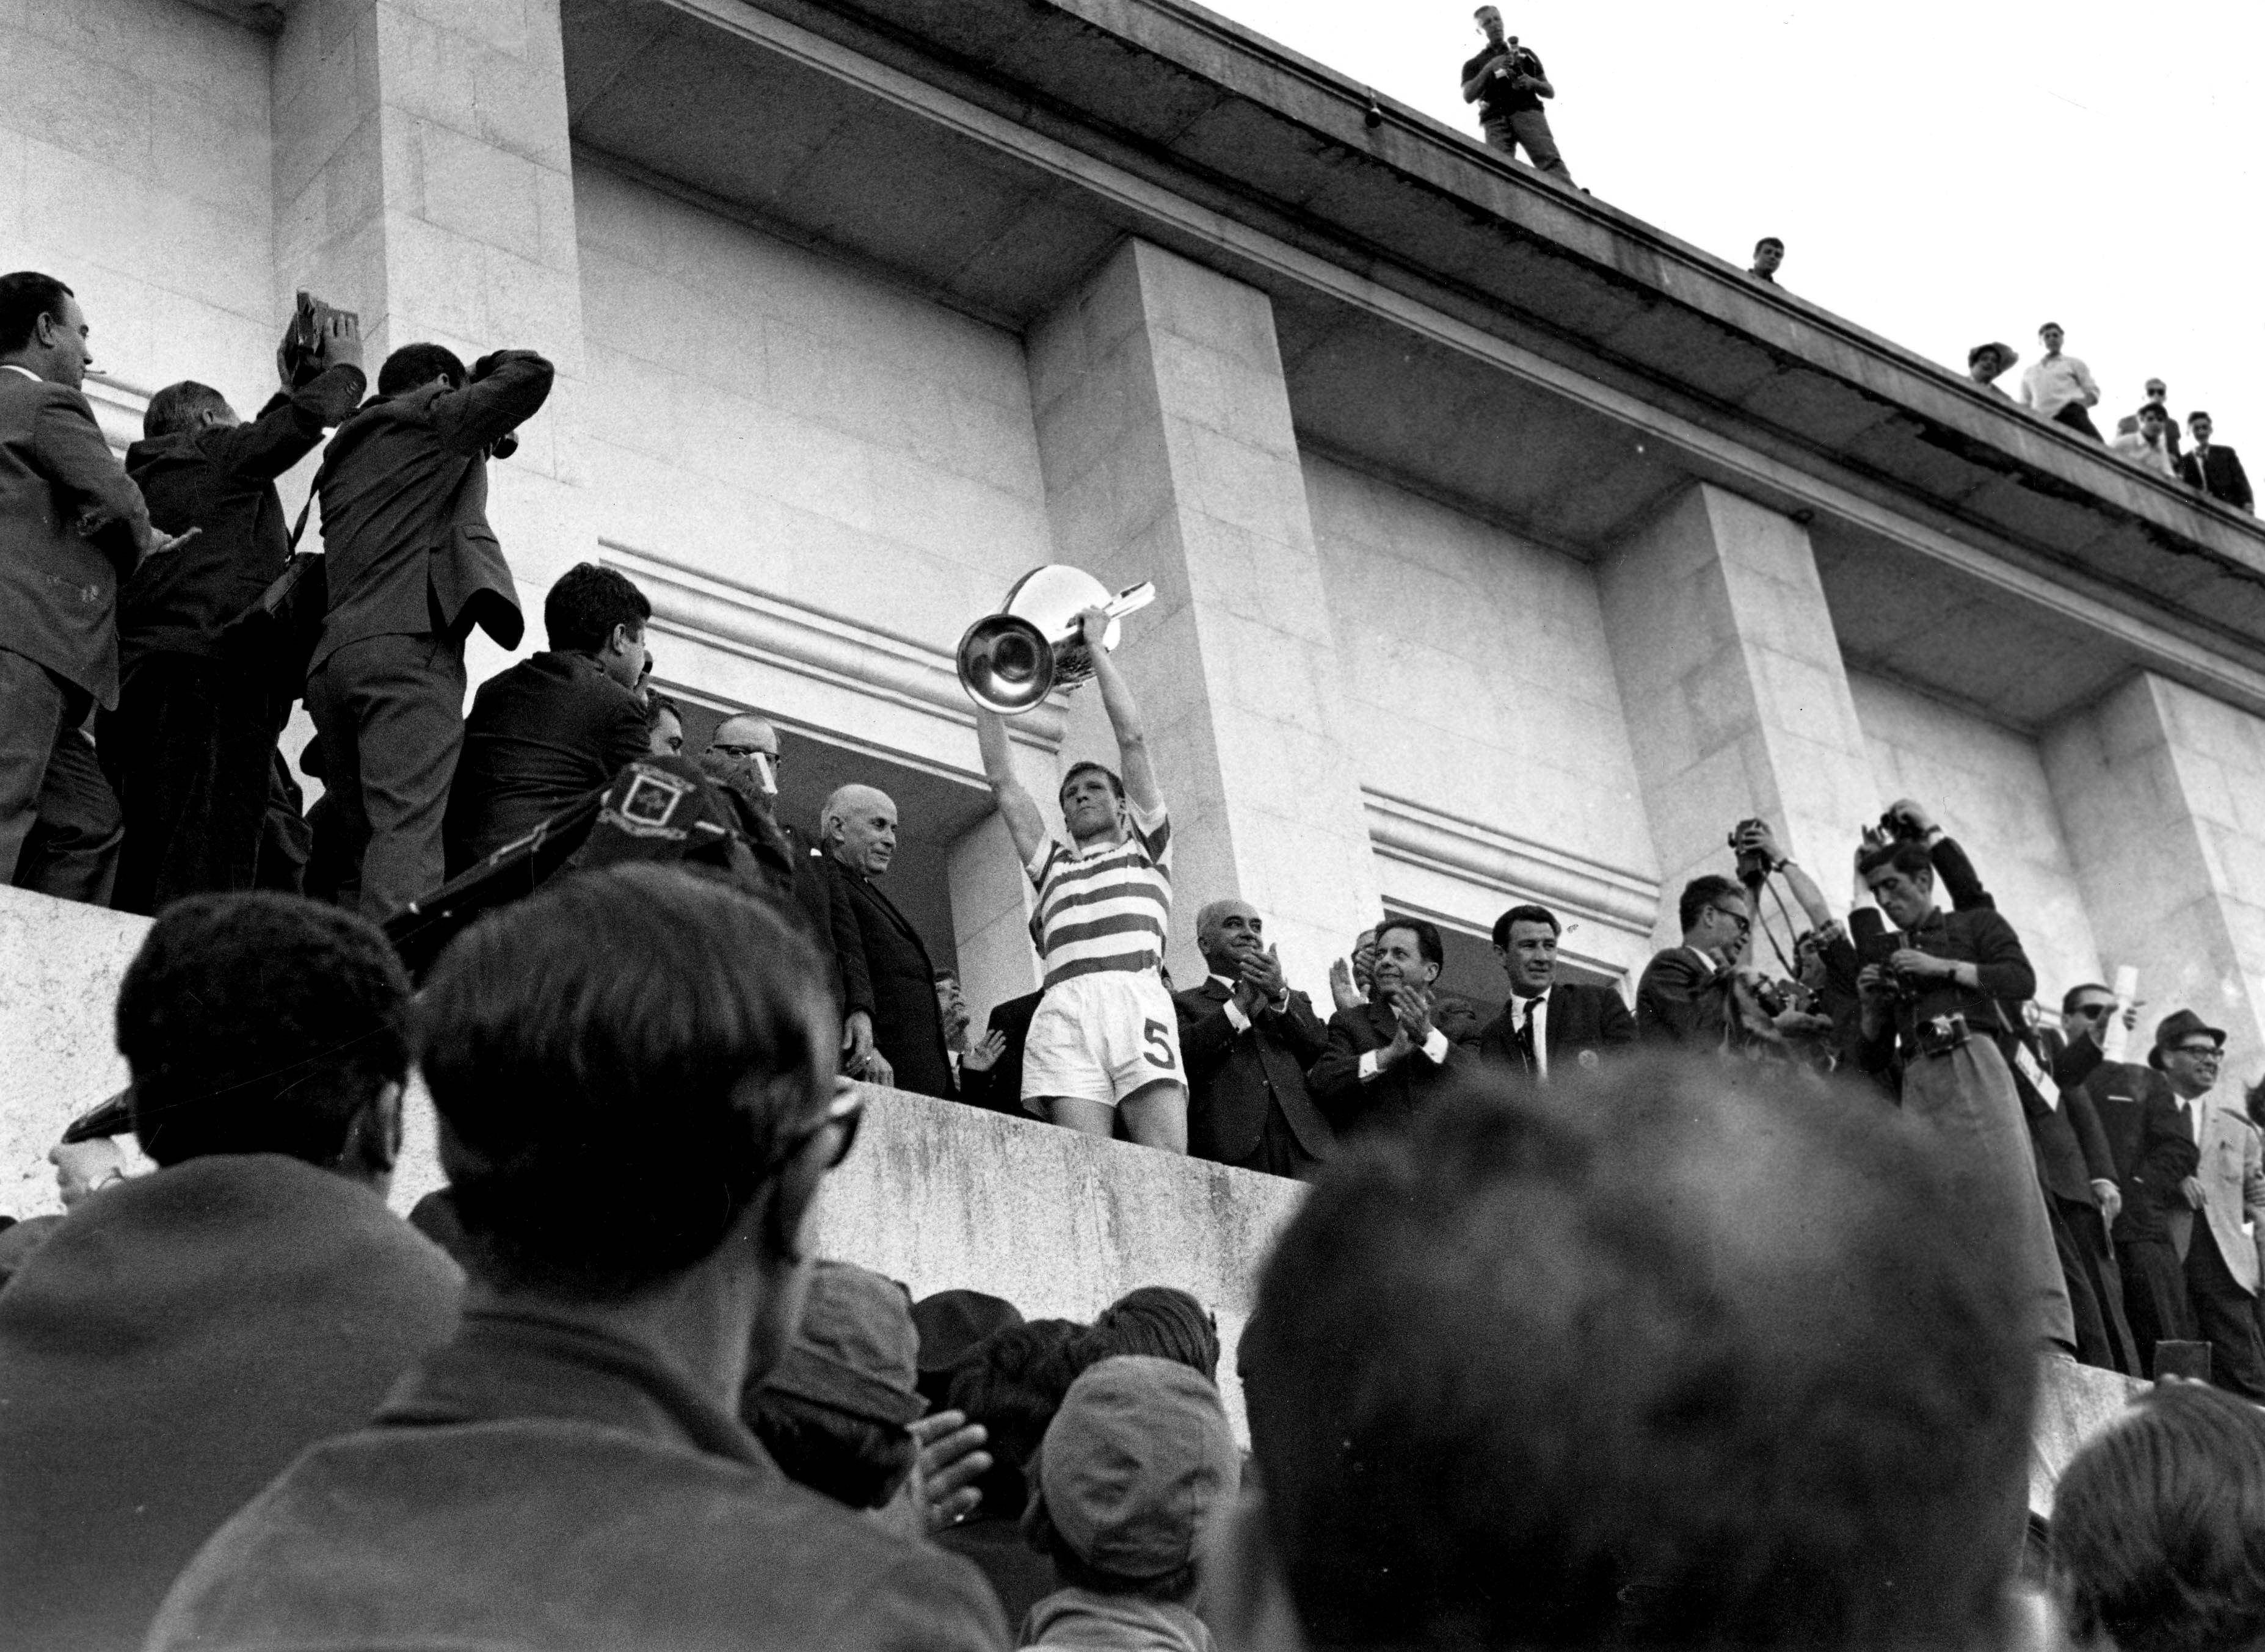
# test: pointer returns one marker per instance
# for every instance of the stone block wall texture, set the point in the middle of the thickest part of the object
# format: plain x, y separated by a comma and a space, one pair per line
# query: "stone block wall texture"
1737, 698
1478, 677
1986, 786
1165, 439
2162, 794
135, 163
791, 423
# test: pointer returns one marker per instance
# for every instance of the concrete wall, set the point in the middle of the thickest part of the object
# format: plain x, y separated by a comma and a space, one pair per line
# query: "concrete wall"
136, 166
1985, 786
788, 421
1478, 685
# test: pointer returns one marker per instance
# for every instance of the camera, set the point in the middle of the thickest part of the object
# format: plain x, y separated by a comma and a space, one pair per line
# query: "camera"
1898, 827
1753, 864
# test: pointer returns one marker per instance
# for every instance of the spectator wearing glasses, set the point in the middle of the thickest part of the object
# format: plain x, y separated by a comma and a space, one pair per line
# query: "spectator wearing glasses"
2158, 394
1683, 997
633, 1071
2077, 1168
2216, 470
744, 758
2213, 1222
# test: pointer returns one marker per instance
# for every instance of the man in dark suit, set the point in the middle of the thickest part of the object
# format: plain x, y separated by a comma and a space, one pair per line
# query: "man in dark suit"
998, 1083
2155, 1152
1546, 1023
191, 748
2077, 1168
1390, 1056
886, 972
2217, 471
1683, 997
554, 728
1247, 1040
412, 567
71, 525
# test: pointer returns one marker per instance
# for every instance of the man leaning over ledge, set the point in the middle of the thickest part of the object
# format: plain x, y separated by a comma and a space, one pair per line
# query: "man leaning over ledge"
71, 526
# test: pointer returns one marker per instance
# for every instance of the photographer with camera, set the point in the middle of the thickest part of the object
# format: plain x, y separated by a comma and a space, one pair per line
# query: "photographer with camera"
1933, 991
189, 748
412, 567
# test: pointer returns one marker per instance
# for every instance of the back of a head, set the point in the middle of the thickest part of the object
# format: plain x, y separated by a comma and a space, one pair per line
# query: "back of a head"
615, 1062
258, 1023
2159, 1527
24, 297
1012, 1384
1162, 1322
586, 603
414, 366
1671, 1353
179, 408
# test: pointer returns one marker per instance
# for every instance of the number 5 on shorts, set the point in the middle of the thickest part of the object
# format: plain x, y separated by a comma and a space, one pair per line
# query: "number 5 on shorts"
1159, 1040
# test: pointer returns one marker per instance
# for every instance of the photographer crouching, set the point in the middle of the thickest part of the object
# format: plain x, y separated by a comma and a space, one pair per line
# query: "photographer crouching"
1932, 1027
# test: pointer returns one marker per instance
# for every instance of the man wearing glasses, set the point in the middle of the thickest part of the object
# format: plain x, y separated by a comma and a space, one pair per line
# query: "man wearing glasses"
2213, 1216
1684, 998
634, 1073
2077, 1164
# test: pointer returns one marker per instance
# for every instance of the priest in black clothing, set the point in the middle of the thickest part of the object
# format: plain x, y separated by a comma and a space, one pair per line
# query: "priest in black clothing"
189, 749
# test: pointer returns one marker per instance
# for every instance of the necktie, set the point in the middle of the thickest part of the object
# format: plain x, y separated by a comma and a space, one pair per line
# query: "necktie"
1526, 1034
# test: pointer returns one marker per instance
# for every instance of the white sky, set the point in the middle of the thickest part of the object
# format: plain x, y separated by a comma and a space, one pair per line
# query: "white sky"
1941, 173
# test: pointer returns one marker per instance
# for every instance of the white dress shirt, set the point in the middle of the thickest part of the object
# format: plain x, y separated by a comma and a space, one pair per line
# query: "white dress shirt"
1534, 1013
1235, 1018
2053, 382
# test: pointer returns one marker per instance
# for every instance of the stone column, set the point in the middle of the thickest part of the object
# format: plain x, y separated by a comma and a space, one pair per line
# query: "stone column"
2161, 794
423, 177
1737, 700
1165, 439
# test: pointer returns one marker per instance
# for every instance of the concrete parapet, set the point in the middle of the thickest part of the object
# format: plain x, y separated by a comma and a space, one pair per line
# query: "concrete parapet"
937, 1195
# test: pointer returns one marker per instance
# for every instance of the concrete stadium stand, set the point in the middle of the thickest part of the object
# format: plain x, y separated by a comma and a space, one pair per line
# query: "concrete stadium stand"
936, 1195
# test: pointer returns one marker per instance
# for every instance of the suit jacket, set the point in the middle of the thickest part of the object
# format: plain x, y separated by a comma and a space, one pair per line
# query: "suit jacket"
404, 493
2152, 1148
887, 966
1397, 1094
1680, 1000
2231, 1168
542, 735
1579, 1019
2071, 1145
222, 484
58, 588
999, 1087
2220, 475
1235, 1078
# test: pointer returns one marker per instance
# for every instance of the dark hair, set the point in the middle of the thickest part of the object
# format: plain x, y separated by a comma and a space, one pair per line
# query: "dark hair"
585, 603
857, 1462
1907, 856
2159, 1525
1429, 946
1524, 914
661, 702
2198, 414
24, 297
1013, 1382
2068, 999
1074, 1572
2050, 326
1542, 1371
2155, 410
1116, 785
615, 1061
260, 1022
1703, 892
177, 407
1162, 1320
415, 365
1769, 241
2253, 1102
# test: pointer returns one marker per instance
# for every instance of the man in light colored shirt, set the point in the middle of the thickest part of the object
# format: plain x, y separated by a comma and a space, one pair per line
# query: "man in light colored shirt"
2147, 447
2158, 397
2060, 387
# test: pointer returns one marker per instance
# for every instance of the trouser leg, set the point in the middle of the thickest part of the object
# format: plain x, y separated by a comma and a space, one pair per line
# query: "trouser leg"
187, 751
72, 851
2076, 419
31, 718
396, 710
1532, 128
2225, 1315
286, 842
2154, 1297
2093, 1346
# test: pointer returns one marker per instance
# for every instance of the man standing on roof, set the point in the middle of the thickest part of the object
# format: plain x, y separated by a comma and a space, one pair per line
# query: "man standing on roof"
2060, 387
1507, 83
1105, 1041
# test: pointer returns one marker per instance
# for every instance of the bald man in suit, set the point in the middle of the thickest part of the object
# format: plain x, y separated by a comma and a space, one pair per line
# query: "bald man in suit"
887, 967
